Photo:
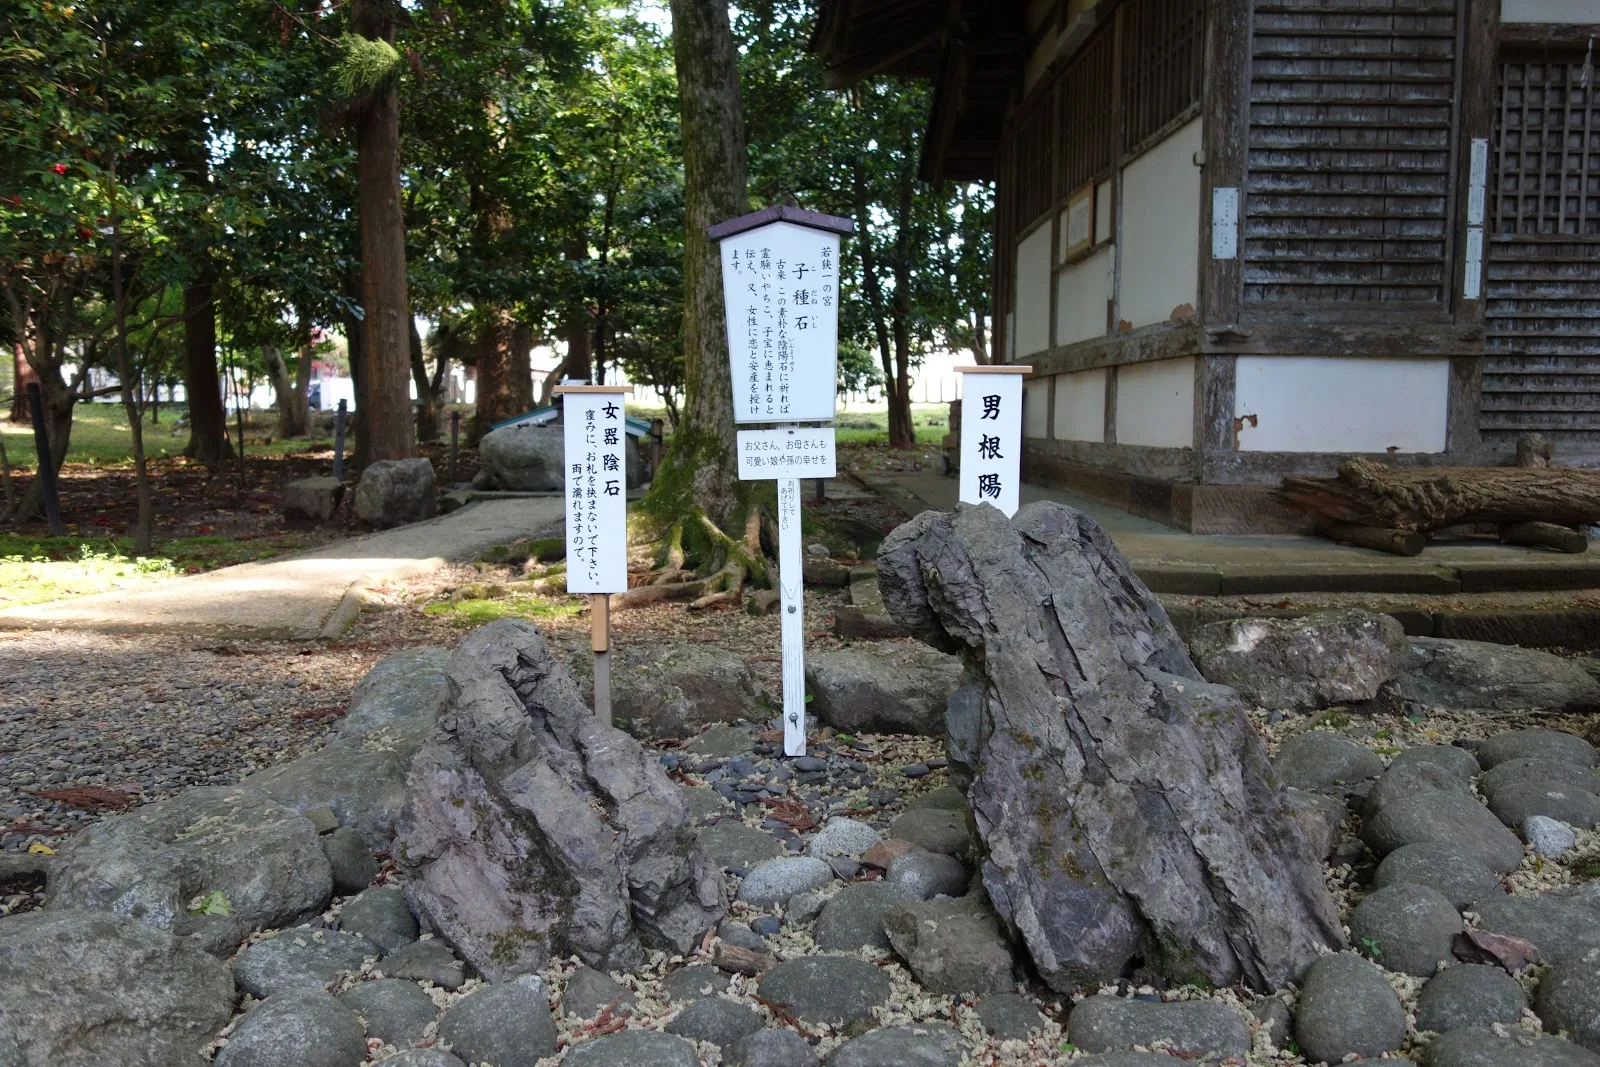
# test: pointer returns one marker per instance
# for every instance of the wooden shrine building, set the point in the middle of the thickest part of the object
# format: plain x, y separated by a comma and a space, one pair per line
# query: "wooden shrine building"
1241, 239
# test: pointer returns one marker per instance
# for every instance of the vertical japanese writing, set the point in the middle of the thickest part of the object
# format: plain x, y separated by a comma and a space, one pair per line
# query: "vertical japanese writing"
991, 440
596, 492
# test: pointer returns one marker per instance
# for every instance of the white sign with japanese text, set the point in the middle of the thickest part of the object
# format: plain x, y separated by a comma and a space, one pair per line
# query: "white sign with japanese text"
791, 452
597, 492
780, 285
991, 439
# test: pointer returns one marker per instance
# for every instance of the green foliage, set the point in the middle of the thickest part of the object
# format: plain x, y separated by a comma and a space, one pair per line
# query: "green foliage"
476, 612
365, 65
215, 902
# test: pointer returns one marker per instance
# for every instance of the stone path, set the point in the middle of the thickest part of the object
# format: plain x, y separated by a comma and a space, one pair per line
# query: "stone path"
299, 598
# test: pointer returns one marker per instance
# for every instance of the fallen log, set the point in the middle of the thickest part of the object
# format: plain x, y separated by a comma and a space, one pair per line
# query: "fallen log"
1425, 499
1545, 535
1400, 542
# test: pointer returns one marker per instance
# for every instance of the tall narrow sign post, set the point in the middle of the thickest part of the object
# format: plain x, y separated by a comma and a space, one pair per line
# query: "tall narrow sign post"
780, 285
595, 436
991, 435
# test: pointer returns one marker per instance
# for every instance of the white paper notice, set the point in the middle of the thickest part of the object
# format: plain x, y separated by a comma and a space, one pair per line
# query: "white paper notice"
597, 493
1225, 223
781, 287
991, 440
790, 452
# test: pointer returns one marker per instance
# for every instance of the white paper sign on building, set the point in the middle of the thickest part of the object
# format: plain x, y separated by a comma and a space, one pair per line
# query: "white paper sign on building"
790, 452
780, 283
991, 435
596, 488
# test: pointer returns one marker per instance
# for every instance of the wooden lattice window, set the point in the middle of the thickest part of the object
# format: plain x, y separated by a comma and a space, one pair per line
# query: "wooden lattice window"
1548, 150
1088, 135
1163, 48
1350, 157
1034, 194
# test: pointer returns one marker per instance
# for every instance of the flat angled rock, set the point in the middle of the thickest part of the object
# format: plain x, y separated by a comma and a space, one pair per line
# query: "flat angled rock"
300, 958
532, 829
893, 689
589, 992
85, 989
231, 845
1096, 730
1008, 1016
1478, 674
674, 689
1312, 661
1193, 1029
730, 843
836, 990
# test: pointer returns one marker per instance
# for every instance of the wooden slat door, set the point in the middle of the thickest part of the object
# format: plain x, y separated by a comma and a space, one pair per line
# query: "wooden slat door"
1542, 285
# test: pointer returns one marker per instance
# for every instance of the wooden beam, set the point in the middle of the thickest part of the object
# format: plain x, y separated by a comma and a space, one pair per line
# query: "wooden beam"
1328, 339
1225, 104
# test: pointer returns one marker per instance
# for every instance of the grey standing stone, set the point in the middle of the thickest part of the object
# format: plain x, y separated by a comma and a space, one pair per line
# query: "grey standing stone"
1549, 837
1406, 928
1090, 697
853, 919
1107, 1023
1313, 661
1458, 761
151, 864
952, 946
1560, 929
721, 1022
589, 992
925, 875
1482, 1047
420, 1057
524, 459
779, 1047
1478, 674
1347, 1006
730, 843
399, 699
673, 689
1569, 999
916, 1045
1536, 743
396, 1012
393, 492
633, 1048
1320, 816
936, 830
1454, 872
532, 829
301, 957
835, 990
506, 1025
349, 859
87, 989
778, 880
429, 960
1452, 818
903, 691
1008, 1016
382, 916
300, 1028
1323, 762
840, 836
1469, 995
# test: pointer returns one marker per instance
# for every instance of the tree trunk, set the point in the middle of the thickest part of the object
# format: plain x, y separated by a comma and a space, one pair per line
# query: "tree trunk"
519, 368
387, 421
355, 349
700, 469
1130, 821
291, 416
427, 399
901, 432
1425, 499
496, 399
208, 425
302, 384
21, 375
579, 362
144, 527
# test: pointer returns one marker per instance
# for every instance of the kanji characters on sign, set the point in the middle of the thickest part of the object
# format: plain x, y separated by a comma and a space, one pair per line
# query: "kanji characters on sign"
596, 491
991, 436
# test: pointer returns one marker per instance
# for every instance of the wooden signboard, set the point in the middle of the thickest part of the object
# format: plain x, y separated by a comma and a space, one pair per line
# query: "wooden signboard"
991, 435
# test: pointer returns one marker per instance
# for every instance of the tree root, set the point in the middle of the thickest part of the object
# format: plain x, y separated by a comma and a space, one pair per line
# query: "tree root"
641, 596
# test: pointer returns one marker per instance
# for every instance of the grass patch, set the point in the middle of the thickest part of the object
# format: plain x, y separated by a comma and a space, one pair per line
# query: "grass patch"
34, 570
478, 612
931, 421
101, 438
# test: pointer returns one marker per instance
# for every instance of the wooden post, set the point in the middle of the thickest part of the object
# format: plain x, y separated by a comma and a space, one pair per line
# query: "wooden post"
455, 442
791, 605
600, 642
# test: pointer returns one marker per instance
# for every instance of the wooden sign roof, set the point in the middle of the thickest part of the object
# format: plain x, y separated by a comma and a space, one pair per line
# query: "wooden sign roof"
780, 213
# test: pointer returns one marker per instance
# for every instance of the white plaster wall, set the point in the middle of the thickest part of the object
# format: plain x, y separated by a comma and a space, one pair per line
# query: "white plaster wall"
1584, 11
1341, 404
1161, 230
1033, 293
1081, 294
1036, 408
1081, 406
1155, 403
1102, 212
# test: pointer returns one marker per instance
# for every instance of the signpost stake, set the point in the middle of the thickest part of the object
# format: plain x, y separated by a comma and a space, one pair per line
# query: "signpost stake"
47, 469
791, 605
455, 440
338, 441
600, 642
